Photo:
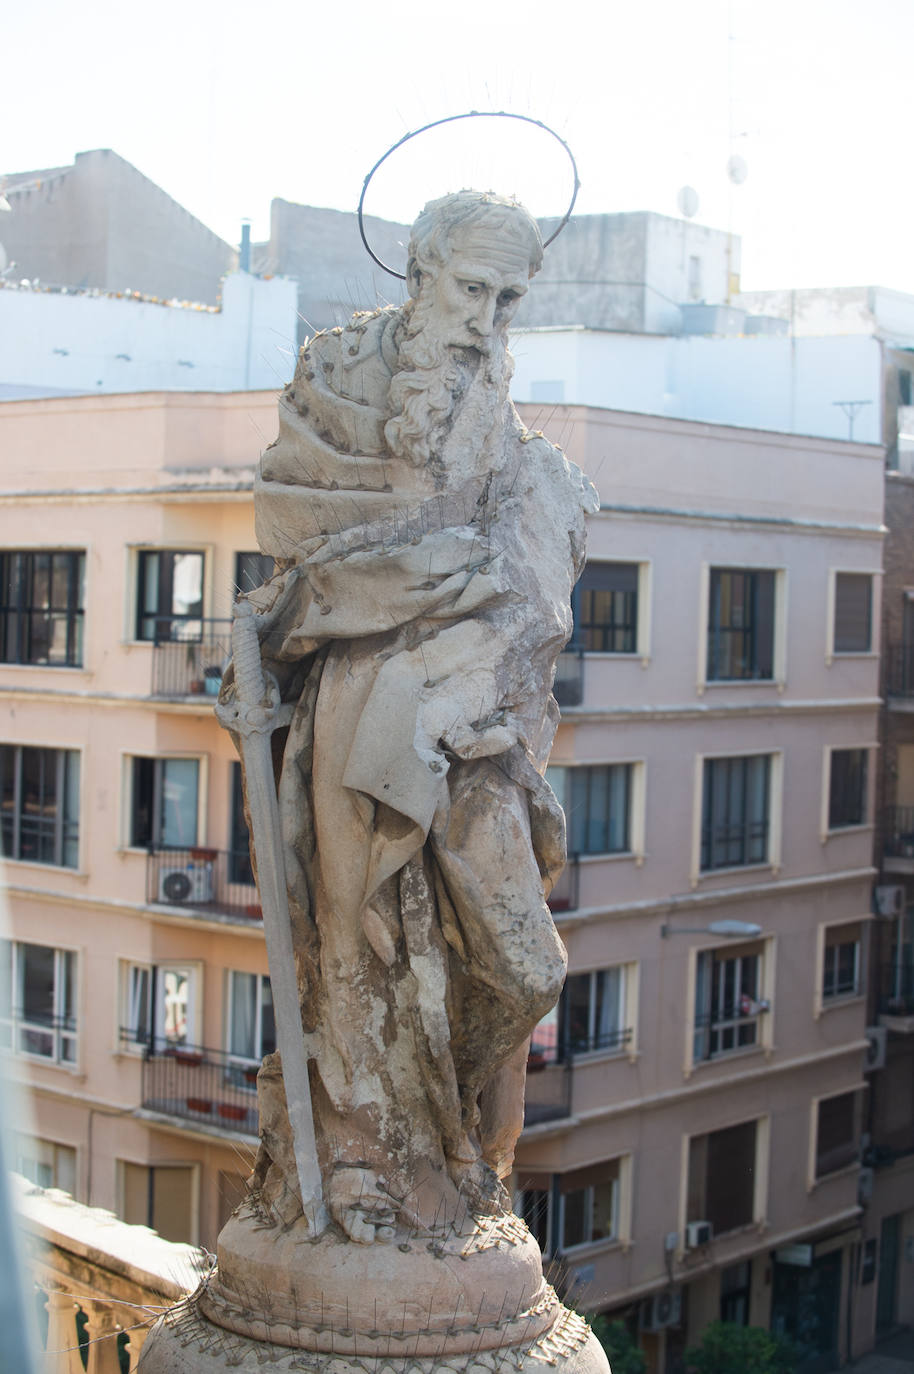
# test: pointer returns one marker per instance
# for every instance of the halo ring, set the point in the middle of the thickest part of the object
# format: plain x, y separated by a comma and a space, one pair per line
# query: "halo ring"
451, 119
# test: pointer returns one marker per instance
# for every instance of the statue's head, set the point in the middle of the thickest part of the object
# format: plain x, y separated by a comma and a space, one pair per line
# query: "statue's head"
471, 257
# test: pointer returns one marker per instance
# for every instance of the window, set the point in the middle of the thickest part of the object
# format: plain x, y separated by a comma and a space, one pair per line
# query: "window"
597, 804
169, 599
251, 1027
741, 624
164, 798
841, 964
252, 570
736, 1293
853, 632
137, 1022
728, 1001
38, 1001
589, 1204
605, 604
847, 788
46, 1164
591, 1012
904, 386
240, 870
721, 1177
533, 1202
837, 1122
694, 278
163, 1197
735, 812
41, 612
39, 804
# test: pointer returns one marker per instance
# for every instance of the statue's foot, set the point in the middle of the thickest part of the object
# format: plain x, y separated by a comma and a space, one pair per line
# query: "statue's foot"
360, 1204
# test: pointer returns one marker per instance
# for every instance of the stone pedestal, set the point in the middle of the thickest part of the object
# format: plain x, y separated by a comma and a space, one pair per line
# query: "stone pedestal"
471, 1299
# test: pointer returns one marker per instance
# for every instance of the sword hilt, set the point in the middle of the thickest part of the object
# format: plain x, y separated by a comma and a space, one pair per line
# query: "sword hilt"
250, 685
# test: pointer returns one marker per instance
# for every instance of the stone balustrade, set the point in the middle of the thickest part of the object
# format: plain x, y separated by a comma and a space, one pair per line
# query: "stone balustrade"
105, 1282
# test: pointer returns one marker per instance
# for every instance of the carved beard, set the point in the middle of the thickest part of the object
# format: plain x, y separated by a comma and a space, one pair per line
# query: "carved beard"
433, 378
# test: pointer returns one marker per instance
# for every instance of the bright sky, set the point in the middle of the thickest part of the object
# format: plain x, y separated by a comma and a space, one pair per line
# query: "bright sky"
227, 105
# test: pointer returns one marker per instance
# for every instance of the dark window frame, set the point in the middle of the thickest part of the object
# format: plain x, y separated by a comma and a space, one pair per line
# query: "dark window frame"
40, 826
852, 629
605, 606
732, 834
590, 790
24, 609
842, 963
160, 622
44, 1013
147, 801
728, 1001
847, 788
252, 570
742, 611
837, 1148
722, 1167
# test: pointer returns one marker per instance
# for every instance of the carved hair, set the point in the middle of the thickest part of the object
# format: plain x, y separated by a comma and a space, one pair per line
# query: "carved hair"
430, 243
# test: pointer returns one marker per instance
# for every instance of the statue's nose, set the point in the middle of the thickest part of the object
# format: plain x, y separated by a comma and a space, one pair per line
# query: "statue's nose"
483, 320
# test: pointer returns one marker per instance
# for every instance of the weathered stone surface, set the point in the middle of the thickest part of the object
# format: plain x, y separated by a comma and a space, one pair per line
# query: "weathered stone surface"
427, 545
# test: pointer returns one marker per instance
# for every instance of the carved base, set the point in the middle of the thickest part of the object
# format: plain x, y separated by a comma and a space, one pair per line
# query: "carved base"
470, 1299
184, 1342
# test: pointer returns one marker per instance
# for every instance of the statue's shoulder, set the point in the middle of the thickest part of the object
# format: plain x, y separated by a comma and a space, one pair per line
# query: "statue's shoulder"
546, 462
368, 339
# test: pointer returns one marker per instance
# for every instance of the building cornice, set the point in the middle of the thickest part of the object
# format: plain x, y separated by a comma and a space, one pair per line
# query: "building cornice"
701, 710
721, 896
737, 520
238, 925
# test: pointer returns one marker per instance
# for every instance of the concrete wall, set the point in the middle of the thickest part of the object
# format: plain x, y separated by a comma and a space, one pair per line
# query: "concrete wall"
758, 382
55, 343
102, 223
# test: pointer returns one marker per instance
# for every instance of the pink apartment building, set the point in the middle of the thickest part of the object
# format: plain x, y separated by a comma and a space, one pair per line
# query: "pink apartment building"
696, 1103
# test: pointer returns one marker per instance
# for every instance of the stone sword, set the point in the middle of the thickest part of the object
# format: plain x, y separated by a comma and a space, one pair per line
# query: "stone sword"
253, 715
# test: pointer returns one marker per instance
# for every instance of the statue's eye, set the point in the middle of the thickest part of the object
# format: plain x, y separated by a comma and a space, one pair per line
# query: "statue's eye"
472, 288
508, 298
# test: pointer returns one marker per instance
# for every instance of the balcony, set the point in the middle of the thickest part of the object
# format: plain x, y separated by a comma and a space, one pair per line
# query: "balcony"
548, 1095
896, 995
898, 839
204, 881
568, 688
207, 1087
899, 675
564, 896
189, 657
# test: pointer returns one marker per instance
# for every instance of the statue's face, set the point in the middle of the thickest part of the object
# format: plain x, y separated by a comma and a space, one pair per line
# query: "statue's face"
478, 290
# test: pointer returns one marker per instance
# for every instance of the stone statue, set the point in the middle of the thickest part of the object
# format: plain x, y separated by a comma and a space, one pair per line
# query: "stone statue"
426, 548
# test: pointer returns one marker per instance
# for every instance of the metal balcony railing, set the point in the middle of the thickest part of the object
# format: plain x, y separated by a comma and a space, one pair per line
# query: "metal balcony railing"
202, 880
896, 989
209, 1087
564, 896
899, 670
189, 656
898, 832
568, 688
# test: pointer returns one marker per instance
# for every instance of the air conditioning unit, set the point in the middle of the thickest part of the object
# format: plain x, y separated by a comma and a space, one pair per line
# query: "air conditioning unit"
876, 1038
865, 1186
189, 884
661, 1311
889, 899
698, 1233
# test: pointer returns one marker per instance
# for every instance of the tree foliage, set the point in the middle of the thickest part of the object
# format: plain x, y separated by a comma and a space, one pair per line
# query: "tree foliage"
623, 1355
726, 1348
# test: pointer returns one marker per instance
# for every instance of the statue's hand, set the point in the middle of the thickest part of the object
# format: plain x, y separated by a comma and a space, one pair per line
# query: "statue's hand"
360, 1204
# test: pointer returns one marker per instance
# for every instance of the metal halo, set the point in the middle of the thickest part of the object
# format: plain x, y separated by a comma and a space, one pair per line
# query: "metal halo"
450, 119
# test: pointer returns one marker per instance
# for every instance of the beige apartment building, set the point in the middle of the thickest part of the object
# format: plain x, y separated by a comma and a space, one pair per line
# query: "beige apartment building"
696, 1102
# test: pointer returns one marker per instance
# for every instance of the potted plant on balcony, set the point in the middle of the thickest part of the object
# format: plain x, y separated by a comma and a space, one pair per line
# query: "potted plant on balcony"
199, 1104
231, 1111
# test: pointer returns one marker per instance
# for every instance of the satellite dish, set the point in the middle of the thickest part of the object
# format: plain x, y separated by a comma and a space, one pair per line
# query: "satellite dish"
687, 201
737, 169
